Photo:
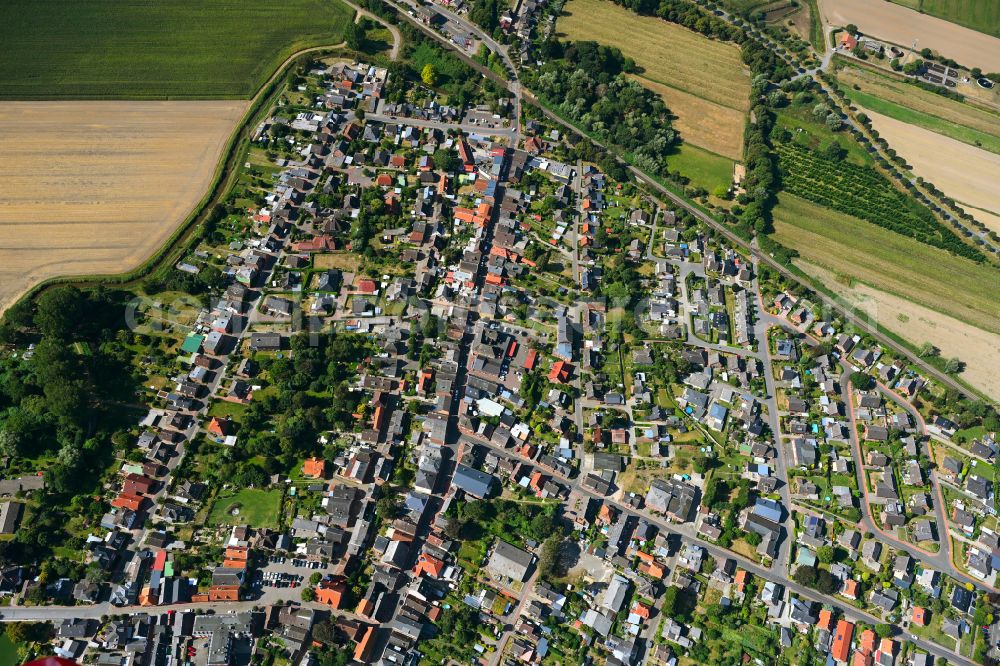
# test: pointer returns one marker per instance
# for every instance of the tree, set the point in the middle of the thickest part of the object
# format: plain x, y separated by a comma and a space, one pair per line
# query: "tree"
927, 350
953, 365
308, 594
548, 561
884, 630
28, 632
355, 35
862, 381
60, 312
825, 554
428, 74
315, 578
325, 631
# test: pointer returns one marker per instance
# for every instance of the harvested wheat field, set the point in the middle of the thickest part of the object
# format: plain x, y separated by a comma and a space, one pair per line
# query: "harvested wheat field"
965, 173
96, 187
668, 53
909, 96
916, 324
901, 25
715, 128
933, 278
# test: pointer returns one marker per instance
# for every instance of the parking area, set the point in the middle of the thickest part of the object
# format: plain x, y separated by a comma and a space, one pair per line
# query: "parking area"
284, 577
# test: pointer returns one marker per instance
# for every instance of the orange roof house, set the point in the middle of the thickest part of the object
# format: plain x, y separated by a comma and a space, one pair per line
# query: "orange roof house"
236, 557
429, 565
920, 616
887, 646
426, 377
529, 361
128, 501
863, 659
331, 593
364, 648
847, 41
383, 180
237, 553
652, 569
378, 418
850, 589
365, 608
366, 286
137, 484
867, 641
741, 579
314, 468
219, 427
825, 619
642, 610
842, 641
560, 372
224, 593
323, 243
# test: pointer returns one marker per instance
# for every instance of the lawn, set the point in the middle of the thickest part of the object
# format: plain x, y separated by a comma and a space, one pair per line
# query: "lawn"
981, 15
140, 49
890, 262
224, 408
8, 652
705, 169
257, 508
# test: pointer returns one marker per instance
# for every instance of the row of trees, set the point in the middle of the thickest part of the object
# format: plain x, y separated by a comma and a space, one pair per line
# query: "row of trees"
866, 194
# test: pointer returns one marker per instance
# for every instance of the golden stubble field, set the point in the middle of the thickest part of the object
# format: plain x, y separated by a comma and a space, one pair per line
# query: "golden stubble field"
96, 187
967, 174
978, 348
900, 25
702, 81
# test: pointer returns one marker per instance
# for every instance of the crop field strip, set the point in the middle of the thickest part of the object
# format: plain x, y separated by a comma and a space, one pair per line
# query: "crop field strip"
710, 126
981, 15
866, 194
851, 247
902, 25
934, 124
964, 172
96, 187
904, 101
190, 49
669, 54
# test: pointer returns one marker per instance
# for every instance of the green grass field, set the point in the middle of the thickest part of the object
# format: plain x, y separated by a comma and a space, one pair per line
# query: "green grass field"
955, 131
8, 652
857, 250
705, 169
72, 49
257, 508
981, 15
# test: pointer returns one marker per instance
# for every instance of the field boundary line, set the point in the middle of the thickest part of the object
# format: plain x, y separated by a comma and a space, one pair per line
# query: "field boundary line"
688, 92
